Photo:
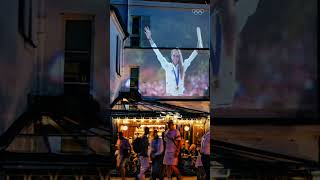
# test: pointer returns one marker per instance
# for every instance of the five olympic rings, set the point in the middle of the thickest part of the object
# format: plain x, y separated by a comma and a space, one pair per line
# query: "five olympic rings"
198, 11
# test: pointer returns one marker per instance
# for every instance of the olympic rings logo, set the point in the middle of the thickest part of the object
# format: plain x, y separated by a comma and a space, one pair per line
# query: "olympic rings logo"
198, 12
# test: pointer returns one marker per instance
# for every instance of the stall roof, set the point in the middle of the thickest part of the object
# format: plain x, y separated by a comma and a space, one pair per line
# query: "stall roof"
155, 108
196, 105
46, 137
46, 128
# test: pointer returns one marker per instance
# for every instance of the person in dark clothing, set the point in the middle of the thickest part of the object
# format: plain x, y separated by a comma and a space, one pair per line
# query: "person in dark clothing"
156, 156
143, 155
205, 153
124, 148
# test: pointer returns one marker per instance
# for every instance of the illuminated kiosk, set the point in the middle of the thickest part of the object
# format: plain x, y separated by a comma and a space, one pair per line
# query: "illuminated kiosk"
132, 117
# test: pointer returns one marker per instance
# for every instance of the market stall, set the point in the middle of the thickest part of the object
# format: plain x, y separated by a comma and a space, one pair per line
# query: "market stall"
131, 118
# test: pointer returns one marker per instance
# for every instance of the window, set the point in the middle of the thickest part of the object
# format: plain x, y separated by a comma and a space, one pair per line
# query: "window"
135, 31
118, 56
138, 38
134, 77
136, 25
25, 21
78, 47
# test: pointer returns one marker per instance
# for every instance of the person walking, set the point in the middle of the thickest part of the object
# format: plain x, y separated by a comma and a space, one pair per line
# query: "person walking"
144, 155
156, 156
205, 153
172, 151
124, 148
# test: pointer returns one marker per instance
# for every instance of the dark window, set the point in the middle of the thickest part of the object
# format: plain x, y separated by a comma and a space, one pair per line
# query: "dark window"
136, 25
135, 31
118, 56
25, 23
137, 37
78, 37
134, 78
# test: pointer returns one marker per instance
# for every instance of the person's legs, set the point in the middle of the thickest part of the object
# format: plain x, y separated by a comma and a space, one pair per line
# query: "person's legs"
161, 169
123, 173
154, 169
144, 165
123, 167
169, 171
158, 168
171, 161
176, 171
206, 165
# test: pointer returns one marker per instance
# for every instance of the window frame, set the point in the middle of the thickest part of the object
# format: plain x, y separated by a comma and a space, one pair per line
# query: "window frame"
118, 55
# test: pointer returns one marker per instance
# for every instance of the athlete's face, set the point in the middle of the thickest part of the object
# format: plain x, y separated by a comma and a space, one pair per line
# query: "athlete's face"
175, 57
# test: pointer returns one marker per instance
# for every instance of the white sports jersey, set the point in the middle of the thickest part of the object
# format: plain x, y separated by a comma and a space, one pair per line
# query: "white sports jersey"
172, 73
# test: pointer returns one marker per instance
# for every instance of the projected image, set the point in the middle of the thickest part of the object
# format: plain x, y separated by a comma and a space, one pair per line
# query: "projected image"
169, 42
176, 68
160, 79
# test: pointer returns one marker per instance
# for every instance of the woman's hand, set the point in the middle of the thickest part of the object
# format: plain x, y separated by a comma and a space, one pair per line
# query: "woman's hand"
147, 32
180, 54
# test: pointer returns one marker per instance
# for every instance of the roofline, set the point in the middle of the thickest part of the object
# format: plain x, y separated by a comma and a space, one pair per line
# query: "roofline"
121, 22
177, 107
7, 137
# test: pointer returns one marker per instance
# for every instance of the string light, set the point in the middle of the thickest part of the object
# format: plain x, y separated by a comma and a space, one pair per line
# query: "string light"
124, 128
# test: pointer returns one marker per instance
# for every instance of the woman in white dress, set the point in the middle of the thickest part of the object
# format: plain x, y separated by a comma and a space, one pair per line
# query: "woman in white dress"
176, 69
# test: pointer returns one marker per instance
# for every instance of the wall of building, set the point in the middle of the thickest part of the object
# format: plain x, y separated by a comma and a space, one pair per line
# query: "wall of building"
17, 66
54, 43
297, 141
115, 78
40, 70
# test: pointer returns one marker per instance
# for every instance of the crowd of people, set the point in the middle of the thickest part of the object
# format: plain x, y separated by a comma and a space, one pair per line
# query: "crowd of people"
162, 155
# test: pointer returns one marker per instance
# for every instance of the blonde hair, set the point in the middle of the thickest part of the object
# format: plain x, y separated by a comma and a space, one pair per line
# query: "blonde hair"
181, 68
193, 146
